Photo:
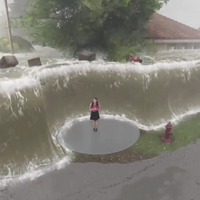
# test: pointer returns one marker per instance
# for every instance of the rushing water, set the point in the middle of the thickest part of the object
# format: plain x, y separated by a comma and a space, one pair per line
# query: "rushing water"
36, 102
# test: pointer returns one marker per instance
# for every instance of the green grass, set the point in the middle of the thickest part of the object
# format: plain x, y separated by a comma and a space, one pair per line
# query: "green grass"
184, 133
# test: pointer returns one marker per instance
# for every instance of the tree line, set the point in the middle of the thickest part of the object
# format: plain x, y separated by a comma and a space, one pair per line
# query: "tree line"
115, 26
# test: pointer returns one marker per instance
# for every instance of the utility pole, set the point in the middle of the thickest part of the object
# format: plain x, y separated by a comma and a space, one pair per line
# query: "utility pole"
9, 27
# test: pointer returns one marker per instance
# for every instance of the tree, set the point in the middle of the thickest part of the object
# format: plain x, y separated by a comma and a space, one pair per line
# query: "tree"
107, 24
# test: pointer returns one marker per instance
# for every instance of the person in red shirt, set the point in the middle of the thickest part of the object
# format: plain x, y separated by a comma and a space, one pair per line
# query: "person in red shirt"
94, 108
135, 60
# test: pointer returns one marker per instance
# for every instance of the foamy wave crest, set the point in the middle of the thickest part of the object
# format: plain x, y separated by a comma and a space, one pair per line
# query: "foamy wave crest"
34, 174
13, 85
84, 67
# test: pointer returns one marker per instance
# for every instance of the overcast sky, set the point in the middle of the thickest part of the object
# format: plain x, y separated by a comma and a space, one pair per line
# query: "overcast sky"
184, 11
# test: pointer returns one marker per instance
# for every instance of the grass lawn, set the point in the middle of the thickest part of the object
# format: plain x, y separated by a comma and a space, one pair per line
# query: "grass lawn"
150, 144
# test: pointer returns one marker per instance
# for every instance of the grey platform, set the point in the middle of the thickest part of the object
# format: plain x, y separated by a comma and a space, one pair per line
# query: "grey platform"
112, 136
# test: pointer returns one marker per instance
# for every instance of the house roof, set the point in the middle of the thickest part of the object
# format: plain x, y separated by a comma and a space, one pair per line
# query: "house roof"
161, 27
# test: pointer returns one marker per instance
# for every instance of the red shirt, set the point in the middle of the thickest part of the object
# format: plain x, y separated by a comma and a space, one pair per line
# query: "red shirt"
136, 60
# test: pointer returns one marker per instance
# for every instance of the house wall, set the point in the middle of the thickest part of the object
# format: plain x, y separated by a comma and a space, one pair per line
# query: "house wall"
161, 47
197, 46
176, 45
189, 46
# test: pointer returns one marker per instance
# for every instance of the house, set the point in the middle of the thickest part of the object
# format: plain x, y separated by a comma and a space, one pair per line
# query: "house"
169, 34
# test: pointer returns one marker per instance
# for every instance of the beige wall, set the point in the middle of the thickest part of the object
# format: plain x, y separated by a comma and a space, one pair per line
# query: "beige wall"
163, 45
174, 46
190, 46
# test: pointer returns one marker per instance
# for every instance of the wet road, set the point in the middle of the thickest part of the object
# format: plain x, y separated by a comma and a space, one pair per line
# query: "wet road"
171, 176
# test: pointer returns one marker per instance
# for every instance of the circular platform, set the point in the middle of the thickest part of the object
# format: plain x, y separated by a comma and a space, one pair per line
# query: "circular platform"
113, 135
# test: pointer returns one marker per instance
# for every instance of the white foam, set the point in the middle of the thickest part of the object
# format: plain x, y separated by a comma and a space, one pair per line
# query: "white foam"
8, 87
83, 67
38, 171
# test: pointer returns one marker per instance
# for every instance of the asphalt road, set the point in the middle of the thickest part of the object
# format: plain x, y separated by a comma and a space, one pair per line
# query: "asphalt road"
170, 176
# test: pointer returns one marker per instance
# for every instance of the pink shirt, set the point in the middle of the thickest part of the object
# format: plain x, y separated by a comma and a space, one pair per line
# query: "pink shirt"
95, 106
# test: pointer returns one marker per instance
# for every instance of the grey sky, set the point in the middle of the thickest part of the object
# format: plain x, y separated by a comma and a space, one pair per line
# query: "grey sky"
184, 11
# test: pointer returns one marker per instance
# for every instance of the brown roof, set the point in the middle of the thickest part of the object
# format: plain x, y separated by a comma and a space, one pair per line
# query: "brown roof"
161, 27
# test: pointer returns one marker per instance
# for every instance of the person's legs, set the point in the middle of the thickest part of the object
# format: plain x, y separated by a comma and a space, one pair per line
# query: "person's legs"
96, 124
93, 124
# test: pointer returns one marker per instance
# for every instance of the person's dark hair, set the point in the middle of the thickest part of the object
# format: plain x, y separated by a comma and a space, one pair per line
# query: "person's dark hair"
97, 103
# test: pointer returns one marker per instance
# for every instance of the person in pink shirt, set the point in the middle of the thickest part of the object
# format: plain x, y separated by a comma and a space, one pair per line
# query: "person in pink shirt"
94, 116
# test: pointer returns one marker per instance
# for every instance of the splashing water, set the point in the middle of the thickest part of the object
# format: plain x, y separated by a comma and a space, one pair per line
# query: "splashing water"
36, 102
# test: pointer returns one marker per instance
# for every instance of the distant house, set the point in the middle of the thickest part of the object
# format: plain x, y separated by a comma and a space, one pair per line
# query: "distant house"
169, 34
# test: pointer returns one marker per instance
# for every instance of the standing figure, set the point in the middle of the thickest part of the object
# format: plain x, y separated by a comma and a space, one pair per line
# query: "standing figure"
94, 108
